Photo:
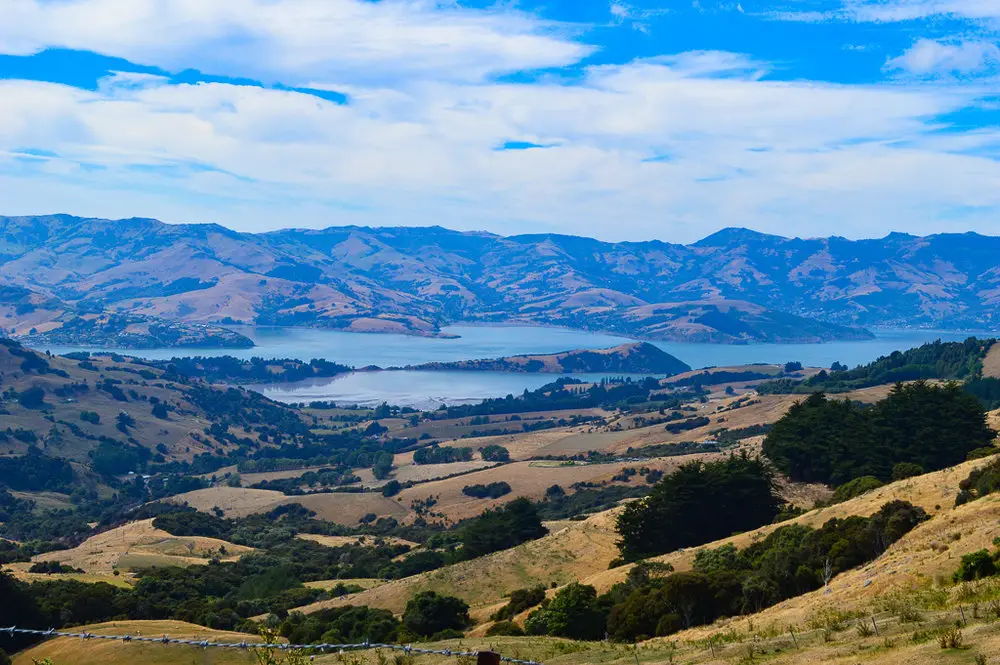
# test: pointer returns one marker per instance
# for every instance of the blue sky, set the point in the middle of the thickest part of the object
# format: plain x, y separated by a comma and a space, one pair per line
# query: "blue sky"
623, 121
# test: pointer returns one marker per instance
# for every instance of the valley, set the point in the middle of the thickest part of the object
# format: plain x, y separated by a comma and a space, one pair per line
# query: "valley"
124, 475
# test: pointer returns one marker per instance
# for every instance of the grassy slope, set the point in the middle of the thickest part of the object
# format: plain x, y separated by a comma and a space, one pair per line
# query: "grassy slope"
139, 544
583, 550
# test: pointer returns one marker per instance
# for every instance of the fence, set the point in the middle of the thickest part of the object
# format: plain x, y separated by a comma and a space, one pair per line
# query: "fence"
483, 657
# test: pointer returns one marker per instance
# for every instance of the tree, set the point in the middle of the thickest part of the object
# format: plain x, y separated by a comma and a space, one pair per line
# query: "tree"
428, 613
835, 441
382, 466
575, 613
32, 398
495, 453
793, 366
392, 488
500, 529
160, 411
18, 608
700, 502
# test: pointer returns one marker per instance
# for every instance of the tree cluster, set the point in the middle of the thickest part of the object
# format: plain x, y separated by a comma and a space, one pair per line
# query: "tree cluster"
835, 441
699, 503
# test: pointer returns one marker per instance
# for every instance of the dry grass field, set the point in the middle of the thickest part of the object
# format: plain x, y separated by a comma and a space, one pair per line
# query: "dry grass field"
348, 509
340, 541
233, 501
526, 479
138, 545
408, 472
571, 553
991, 363
66, 651
748, 643
20, 571
582, 551
341, 507
363, 582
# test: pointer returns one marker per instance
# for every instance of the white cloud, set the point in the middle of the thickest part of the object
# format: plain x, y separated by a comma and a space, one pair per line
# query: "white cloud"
737, 150
294, 41
928, 57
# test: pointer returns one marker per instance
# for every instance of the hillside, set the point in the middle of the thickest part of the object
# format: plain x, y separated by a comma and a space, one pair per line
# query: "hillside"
70, 407
634, 358
581, 551
724, 289
39, 321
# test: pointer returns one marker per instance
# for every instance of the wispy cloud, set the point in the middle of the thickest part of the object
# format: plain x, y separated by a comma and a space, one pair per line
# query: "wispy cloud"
890, 11
928, 57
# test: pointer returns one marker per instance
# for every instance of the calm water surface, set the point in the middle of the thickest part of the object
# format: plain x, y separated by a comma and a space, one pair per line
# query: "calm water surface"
428, 389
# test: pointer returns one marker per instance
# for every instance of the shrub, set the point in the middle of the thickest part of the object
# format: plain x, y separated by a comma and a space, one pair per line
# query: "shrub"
979, 483
491, 491
905, 470
950, 639
855, 487
504, 629
520, 600
976, 565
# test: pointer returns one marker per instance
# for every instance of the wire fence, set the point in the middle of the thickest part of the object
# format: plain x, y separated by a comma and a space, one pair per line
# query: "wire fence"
205, 644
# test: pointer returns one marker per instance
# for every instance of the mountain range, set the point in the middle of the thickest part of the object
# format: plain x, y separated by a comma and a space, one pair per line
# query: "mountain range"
734, 286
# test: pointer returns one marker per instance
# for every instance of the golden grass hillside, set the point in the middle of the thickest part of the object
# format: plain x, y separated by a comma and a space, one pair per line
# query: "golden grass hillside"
527, 479
934, 492
583, 550
564, 556
70, 651
140, 545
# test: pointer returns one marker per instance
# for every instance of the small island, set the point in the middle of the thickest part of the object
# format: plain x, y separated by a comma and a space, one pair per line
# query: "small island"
631, 358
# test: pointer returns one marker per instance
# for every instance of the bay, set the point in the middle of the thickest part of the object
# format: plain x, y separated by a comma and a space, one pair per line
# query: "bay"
422, 389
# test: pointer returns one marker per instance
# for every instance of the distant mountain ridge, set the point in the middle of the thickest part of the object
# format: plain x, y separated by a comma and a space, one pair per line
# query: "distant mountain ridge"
735, 286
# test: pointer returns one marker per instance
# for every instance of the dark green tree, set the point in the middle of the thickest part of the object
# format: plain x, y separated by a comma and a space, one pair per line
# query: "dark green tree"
428, 613
699, 503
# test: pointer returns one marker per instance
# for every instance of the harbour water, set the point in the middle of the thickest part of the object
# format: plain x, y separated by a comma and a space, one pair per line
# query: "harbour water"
428, 389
